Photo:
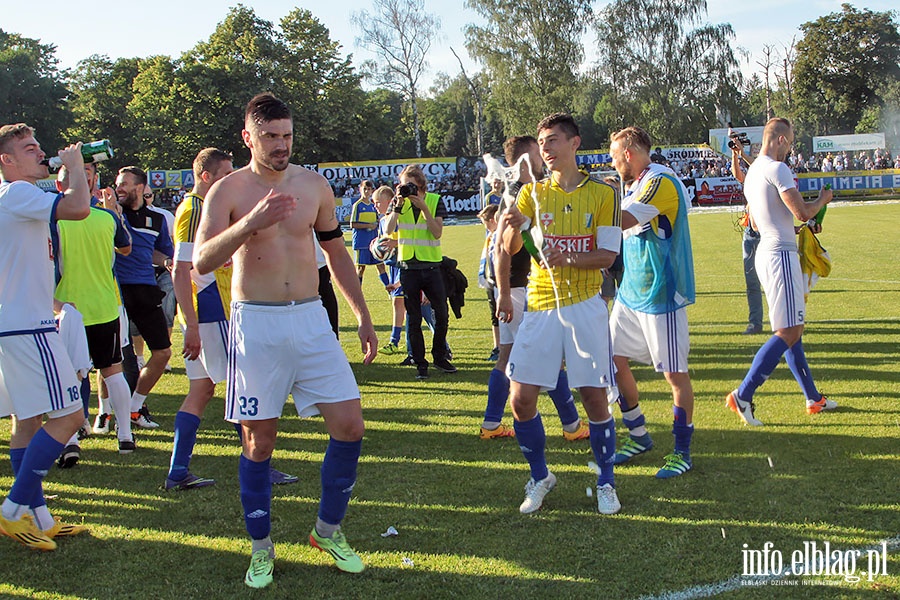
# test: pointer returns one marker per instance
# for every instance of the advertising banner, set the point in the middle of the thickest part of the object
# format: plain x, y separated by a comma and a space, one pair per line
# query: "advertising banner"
708, 191
855, 142
593, 160
851, 182
435, 169
170, 179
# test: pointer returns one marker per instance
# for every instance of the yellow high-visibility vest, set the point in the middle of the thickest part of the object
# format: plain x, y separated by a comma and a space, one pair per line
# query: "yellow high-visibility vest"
415, 241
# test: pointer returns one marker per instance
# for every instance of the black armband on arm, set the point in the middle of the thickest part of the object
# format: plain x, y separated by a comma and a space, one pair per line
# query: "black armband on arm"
324, 236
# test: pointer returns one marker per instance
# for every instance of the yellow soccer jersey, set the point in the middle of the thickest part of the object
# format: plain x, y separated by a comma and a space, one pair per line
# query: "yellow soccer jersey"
661, 194
579, 221
211, 292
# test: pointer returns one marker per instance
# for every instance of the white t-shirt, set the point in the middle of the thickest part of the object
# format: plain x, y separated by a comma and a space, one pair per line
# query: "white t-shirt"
169, 217
26, 268
72, 333
766, 179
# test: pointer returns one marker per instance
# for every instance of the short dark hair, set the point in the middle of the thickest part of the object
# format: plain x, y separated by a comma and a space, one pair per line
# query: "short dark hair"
265, 107
516, 146
564, 120
208, 159
137, 172
16, 131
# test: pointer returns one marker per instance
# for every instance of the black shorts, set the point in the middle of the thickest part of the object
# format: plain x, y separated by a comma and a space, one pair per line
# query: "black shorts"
104, 344
143, 303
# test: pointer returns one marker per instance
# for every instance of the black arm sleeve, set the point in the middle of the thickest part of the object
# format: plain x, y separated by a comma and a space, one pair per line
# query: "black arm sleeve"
324, 236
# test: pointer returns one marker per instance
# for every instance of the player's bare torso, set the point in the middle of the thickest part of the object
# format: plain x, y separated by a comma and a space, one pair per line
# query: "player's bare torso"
278, 263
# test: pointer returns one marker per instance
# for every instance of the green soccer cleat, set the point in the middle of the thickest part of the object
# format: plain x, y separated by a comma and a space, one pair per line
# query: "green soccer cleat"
262, 565
676, 464
344, 557
632, 448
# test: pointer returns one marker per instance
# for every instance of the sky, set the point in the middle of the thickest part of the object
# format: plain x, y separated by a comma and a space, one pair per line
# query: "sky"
170, 27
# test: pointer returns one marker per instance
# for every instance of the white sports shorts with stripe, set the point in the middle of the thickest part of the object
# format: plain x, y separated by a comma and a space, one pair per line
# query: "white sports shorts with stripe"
37, 377
212, 363
782, 280
661, 341
577, 334
278, 350
509, 330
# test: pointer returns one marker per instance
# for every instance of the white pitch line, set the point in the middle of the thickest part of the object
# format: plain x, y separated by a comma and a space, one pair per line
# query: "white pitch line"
734, 583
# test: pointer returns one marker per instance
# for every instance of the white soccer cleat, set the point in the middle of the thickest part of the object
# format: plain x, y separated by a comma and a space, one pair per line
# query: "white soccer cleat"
607, 500
535, 492
822, 404
743, 409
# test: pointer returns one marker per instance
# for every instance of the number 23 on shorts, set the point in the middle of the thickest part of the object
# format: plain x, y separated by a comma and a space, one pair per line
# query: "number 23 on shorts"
249, 406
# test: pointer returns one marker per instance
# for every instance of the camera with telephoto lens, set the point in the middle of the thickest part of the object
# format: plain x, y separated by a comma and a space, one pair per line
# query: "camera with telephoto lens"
408, 189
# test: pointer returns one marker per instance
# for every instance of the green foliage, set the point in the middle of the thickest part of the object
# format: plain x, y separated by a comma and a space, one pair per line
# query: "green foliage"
32, 90
531, 51
669, 71
168, 109
842, 61
401, 33
100, 91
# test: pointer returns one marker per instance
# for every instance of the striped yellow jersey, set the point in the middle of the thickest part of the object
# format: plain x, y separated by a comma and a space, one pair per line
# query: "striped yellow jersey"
579, 221
211, 292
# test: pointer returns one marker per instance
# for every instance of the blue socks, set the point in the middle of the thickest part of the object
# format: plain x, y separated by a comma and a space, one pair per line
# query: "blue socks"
498, 392
37, 459
796, 360
86, 395
395, 335
682, 432
532, 440
603, 445
186, 426
15, 457
338, 478
562, 399
256, 497
765, 361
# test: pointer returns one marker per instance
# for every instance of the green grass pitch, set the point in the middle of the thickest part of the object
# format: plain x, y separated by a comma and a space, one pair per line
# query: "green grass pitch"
454, 499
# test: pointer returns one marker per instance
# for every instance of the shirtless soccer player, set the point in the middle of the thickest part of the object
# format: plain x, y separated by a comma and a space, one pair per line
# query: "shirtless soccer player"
280, 341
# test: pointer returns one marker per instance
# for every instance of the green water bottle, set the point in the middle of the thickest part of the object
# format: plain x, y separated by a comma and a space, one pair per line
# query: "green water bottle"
820, 216
92, 152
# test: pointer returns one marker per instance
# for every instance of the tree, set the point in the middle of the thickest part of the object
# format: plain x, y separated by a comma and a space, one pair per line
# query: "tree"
669, 71
448, 118
400, 32
32, 89
99, 92
385, 135
842, 60
531, 51
324, 90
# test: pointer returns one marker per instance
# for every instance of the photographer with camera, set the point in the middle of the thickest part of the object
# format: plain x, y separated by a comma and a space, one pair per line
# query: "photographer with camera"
418, 217
750, 238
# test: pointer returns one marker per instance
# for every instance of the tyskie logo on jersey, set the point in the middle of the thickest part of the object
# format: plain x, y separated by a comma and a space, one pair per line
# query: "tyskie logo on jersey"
570, 243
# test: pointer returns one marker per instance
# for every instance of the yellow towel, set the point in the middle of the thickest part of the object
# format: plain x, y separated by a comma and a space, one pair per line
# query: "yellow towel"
815, 261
